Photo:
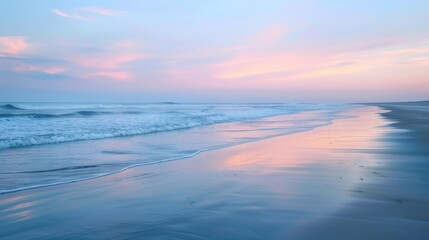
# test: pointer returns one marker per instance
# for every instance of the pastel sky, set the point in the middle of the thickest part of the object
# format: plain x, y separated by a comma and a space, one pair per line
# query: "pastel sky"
214, 51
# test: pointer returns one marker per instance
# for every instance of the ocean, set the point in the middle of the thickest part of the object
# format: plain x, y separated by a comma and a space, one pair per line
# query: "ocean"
45, 144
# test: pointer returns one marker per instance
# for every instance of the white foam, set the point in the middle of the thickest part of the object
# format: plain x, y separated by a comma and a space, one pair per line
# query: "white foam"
24, 129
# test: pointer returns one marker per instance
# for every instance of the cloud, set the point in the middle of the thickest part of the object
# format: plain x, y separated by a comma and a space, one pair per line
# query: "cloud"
69, 15
32, 68
89, 13
103, 11
312, 64
105, 61
259, 69
12, 45
114, 63
121, 76
260, 64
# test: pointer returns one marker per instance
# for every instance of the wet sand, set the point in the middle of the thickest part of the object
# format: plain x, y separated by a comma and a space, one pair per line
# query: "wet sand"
396, 206
358, 178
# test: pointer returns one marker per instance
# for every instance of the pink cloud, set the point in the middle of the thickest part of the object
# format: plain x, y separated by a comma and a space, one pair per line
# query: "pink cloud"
120, 76
261, 68
262, 64
106, 62
311, 65
69, 15
103, 11
31, 68
12, 45
106, 65
88, 13
54, 70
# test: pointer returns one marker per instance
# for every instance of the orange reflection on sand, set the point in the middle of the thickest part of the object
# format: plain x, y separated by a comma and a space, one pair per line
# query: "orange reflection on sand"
321, 145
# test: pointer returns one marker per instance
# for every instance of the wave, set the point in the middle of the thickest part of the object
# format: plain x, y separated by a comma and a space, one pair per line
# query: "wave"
56, 169
119, 132
10, 107
19, 129
75, 106
168, 103
72, 114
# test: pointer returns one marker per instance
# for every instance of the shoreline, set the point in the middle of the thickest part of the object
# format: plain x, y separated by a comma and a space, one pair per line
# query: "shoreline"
222, 127
299, 185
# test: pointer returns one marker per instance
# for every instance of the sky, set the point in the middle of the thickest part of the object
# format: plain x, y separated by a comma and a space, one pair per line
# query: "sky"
214, 51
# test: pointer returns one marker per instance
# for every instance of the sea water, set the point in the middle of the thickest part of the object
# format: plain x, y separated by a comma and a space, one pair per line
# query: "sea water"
45, 144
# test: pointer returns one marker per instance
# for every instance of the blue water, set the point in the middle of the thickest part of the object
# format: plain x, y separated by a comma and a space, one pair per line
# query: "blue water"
43, 144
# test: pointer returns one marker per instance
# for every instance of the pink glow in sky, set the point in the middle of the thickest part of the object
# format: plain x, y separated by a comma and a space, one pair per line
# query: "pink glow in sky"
270, 51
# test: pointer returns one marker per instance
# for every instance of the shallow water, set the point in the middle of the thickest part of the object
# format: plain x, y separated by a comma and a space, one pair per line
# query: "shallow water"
49, 144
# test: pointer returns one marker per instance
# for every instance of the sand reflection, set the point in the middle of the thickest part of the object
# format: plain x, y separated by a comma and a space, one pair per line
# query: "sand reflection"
322, 145
16, 208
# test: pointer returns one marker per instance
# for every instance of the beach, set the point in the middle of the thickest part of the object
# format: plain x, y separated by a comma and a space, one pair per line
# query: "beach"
362, 176
396, 205
214, 120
